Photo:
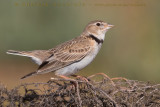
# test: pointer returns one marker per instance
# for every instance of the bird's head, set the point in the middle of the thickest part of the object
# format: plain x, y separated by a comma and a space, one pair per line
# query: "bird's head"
97, 28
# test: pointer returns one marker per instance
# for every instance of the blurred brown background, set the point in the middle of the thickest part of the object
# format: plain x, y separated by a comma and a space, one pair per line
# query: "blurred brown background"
131, 49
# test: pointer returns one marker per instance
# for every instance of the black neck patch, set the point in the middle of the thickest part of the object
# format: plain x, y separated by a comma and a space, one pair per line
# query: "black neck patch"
96, 39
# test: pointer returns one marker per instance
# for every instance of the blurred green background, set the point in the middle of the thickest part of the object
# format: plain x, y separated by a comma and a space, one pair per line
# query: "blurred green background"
131, 49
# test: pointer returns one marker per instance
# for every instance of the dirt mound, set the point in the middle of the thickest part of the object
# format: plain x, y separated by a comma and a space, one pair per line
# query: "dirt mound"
104, 92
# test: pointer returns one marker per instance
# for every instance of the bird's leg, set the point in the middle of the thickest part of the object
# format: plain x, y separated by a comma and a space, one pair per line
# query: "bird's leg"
104, 75
81, 78
119, 78
111, 79
63, 77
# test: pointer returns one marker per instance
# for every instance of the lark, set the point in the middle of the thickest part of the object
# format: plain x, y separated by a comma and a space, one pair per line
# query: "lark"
71, 56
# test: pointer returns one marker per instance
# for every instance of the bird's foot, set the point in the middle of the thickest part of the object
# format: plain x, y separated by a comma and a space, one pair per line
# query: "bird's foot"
64, 77
104, 75
119, 78
81, 78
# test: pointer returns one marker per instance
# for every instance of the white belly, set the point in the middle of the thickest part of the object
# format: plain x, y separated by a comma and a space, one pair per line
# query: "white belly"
75, 67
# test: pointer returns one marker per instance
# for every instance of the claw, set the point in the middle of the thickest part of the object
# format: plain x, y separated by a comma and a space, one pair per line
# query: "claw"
64, 77
104, 75
119, 78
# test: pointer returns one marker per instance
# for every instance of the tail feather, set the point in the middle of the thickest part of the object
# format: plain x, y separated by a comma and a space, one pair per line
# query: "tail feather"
23, 53
28, 75
13, 52
37, 59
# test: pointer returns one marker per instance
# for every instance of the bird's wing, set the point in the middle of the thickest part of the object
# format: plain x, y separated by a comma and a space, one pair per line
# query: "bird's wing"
66, 54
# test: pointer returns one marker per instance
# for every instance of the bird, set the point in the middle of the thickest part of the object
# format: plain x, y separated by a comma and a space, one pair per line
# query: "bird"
67, 58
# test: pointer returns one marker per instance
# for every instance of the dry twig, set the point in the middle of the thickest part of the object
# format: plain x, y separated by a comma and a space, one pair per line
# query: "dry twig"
66, 93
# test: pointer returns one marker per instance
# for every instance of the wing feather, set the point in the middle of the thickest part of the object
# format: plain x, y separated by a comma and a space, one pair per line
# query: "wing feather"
66, 54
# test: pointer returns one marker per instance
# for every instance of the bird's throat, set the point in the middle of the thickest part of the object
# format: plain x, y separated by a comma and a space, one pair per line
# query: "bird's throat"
96, 39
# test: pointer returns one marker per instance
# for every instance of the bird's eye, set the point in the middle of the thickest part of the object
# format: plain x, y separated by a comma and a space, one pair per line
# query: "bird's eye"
98, 24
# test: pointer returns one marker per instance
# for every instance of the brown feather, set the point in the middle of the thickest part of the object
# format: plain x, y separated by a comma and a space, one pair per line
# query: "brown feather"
66, 54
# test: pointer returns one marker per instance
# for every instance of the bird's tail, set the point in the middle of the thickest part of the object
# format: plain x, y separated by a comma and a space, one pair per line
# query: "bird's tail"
38, 59
28, 75
20, 53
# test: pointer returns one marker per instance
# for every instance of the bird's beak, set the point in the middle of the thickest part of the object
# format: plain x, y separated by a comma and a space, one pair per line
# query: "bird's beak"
109, 26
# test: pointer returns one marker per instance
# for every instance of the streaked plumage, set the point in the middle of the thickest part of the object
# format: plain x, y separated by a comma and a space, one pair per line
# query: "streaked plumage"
71, 56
